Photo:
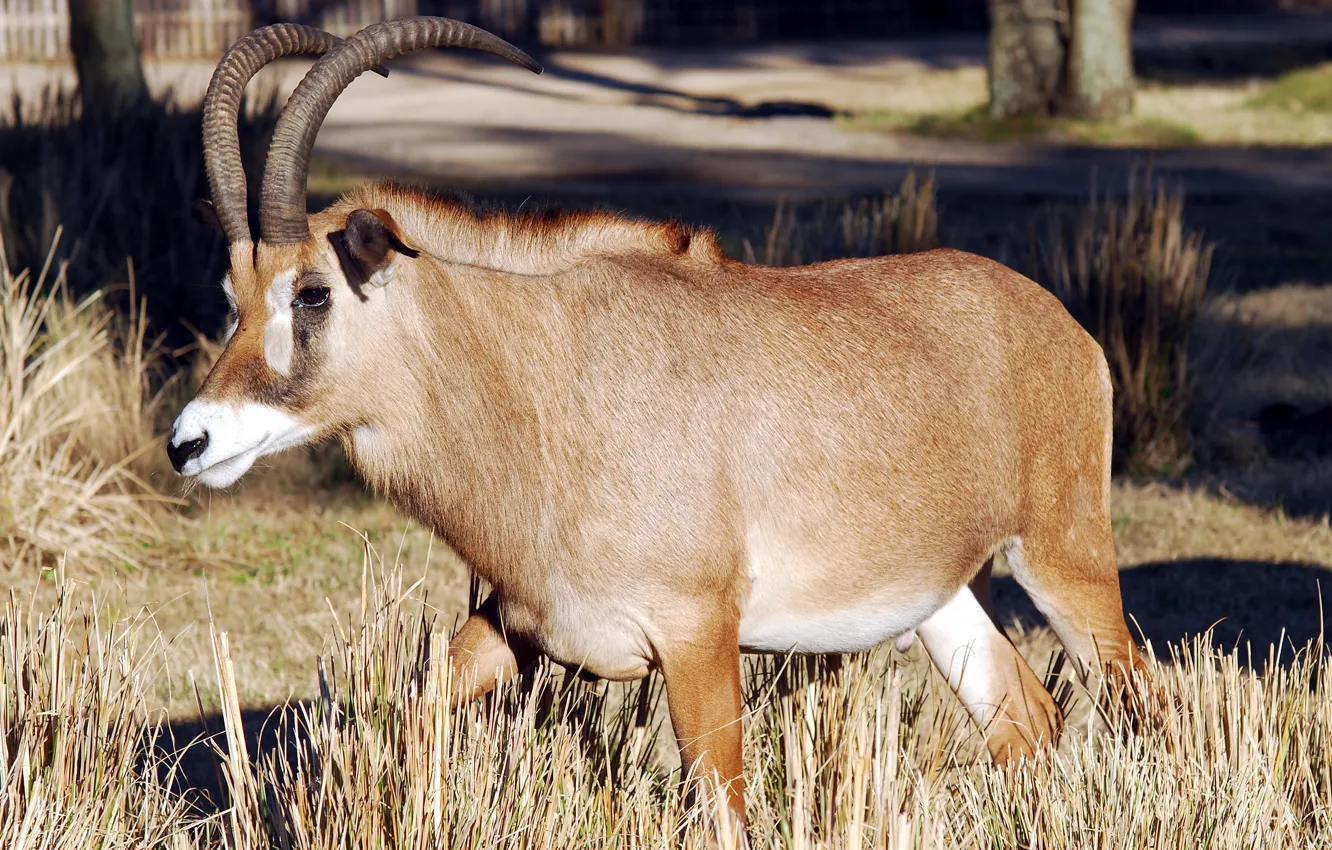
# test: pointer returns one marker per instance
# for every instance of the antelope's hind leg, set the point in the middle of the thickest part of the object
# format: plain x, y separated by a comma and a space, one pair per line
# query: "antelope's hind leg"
995, 684
1073, 579
1065, 555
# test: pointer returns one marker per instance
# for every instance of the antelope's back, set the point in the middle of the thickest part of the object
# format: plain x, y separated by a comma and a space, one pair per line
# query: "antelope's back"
911, 410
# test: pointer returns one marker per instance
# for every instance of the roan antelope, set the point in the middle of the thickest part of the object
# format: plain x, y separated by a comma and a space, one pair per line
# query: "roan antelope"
657, 456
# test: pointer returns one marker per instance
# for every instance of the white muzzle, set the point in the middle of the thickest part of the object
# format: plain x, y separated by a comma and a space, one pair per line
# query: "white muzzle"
216, 443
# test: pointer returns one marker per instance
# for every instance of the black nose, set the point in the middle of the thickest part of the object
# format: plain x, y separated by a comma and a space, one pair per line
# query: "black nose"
179, 455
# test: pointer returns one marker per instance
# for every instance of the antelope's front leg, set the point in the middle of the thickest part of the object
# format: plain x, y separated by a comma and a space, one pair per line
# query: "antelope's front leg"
483, 656
702, 675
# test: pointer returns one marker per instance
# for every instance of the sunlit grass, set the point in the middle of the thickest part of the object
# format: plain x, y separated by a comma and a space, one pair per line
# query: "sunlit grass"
1305, 90
78, 426
1294, 109
876, 754
976, 124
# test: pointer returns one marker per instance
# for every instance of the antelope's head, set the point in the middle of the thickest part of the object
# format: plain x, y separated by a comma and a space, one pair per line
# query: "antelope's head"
297, 295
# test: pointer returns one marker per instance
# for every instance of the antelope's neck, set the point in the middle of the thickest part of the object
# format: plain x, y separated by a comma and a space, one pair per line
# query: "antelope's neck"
456, 441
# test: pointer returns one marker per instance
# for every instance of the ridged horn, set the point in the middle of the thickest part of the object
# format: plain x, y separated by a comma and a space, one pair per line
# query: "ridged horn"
221, 110
282, 213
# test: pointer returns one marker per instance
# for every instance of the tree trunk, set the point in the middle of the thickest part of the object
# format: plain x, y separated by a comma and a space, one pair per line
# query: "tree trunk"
622, 22
106, 57
1100, 66
1026, 57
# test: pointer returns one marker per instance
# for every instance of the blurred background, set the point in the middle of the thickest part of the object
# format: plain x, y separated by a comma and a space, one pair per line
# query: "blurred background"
39, 29
1164, 168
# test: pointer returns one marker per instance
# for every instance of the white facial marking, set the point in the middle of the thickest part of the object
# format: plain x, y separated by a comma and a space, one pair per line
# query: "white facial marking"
230, 291
968, 650
367, 442
279, 344
238, 435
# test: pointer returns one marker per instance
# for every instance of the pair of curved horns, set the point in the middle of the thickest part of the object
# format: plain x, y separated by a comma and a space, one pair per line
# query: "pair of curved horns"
282, 214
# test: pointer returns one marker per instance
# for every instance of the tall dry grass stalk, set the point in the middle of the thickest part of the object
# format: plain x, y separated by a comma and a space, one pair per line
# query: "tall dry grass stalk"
1136, 277
77, 423
899, 223
77, 764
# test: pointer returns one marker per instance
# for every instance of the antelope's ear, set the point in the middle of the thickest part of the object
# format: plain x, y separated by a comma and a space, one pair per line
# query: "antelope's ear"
205, 214
369, 241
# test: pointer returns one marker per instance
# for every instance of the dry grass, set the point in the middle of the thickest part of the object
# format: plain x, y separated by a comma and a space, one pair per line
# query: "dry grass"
76, 761
1135, 277
900, 222
1157, 523
77, 420
875, 755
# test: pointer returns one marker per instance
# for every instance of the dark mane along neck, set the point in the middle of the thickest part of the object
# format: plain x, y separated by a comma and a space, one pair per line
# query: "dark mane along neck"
528, 243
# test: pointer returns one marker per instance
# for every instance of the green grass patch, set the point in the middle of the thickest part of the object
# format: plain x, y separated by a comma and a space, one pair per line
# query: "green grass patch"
1134, 132
976, 124
1305, 90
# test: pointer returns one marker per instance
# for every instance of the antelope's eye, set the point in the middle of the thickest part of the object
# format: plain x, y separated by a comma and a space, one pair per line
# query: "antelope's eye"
311, 296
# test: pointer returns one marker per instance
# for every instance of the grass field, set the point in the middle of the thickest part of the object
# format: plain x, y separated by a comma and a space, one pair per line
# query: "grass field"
875, 755
295, 620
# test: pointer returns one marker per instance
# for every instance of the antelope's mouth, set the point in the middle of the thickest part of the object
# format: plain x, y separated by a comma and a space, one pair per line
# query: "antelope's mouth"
216, 443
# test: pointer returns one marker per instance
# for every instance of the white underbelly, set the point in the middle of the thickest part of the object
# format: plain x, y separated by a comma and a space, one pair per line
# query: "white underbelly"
791, 607
846, 629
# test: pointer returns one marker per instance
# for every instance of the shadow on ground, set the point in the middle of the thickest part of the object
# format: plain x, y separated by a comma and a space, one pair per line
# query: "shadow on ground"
1243, 602
1266, 208
192, 748
1230, 63
646, 94
556, 162
1215, 48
